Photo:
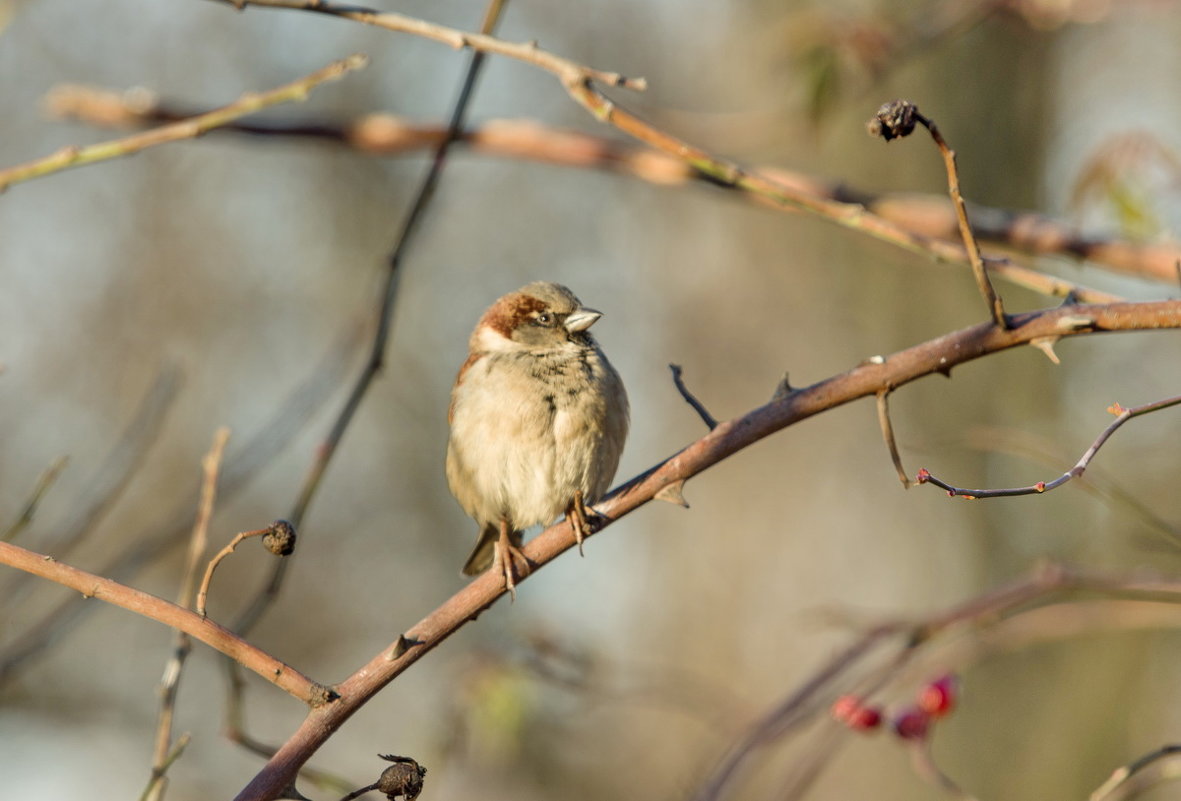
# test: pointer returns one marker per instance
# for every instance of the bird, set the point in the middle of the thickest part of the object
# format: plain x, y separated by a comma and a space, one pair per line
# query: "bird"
538, 420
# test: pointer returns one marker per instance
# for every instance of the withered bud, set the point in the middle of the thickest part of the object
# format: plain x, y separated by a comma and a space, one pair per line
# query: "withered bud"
894, 120
280, 538
403, 778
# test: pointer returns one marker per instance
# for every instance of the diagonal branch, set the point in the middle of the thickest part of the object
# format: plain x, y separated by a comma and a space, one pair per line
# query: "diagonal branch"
249, 103
867, 379
383, 134
217, 637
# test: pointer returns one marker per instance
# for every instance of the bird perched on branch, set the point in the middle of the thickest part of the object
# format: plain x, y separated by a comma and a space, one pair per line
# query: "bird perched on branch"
538, 419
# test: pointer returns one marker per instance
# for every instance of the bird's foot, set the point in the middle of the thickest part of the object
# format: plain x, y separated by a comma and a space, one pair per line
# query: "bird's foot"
579, 515
506, 558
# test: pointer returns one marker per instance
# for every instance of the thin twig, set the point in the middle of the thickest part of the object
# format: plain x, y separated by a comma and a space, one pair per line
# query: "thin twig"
925, 766
75, 156
44, 482
888, 436
1021, 444
141, 603
1122, 416
203, 592
995, 306
1118, 780
867, 379
897, 119
710, 421
564, 69
182, 644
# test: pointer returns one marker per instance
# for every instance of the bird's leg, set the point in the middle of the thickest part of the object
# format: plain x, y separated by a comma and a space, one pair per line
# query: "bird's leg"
577, 514
505, 555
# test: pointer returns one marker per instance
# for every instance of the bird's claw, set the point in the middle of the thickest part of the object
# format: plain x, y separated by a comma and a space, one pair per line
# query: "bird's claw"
579, 515
505, 559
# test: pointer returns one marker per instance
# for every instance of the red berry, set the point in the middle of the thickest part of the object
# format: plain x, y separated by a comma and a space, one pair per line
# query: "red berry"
938, 698
911, 724
865, 718
845, 707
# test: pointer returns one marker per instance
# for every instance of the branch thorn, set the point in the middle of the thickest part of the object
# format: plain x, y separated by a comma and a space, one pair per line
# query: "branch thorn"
673, 493
1046, 346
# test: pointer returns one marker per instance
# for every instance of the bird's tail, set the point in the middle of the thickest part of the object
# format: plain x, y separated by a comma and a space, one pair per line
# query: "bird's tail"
481, 558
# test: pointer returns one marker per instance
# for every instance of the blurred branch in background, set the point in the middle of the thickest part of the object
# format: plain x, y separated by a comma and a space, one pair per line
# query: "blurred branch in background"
191, 128
112, 478
928, 216
290, 415
29, 510
579, 82
896, 654
166, 751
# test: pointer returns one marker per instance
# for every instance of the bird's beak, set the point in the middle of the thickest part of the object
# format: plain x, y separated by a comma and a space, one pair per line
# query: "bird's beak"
581, 319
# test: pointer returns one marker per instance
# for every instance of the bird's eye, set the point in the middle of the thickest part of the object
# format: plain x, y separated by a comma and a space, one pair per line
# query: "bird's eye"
544, 319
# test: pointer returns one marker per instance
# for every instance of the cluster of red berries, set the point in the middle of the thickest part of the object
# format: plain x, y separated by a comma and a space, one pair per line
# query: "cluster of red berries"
936, 699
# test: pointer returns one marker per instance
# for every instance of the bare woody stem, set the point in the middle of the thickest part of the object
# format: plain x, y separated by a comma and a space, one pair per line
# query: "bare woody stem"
203, 592
165, 753
217, 637
185, 129
1122, 416
897, 119
973, 251
983, 283
935, 356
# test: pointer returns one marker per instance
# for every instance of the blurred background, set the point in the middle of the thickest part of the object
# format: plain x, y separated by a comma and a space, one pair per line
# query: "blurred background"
145, 302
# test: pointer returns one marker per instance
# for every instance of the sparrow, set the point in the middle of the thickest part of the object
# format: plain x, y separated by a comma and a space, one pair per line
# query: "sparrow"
538, 419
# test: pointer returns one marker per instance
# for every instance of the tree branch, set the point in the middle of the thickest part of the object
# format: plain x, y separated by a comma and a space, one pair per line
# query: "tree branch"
935, 356
75, 156
928, 215
217, 637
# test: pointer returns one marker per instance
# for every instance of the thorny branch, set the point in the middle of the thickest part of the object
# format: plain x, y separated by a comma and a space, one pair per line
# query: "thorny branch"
867, 379
1122, 416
